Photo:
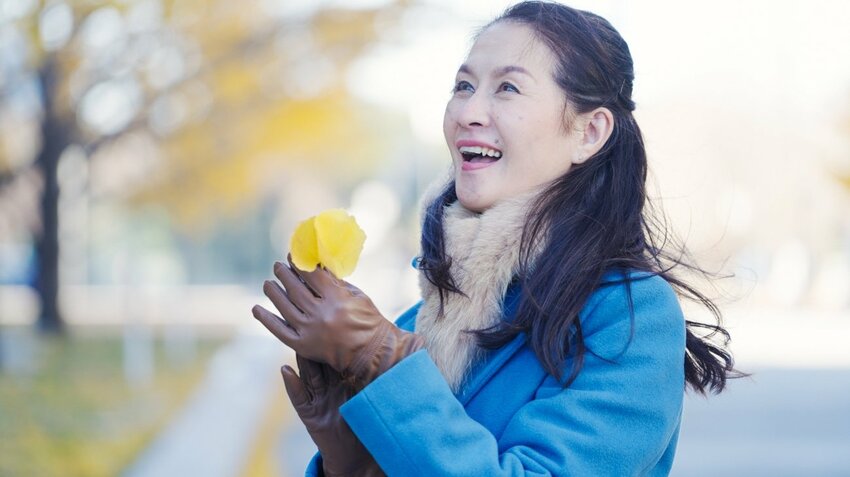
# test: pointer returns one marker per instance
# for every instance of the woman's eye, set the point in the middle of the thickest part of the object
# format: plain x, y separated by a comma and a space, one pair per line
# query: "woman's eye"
508, 87
463, 86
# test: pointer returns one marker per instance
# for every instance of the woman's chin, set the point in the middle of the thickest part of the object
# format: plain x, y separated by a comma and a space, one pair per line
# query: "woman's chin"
472, 201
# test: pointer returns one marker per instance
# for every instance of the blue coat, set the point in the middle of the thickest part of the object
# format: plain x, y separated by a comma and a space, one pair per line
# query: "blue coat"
620, 417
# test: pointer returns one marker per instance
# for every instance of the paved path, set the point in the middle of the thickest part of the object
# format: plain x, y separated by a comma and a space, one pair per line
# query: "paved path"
780, 422
213, 435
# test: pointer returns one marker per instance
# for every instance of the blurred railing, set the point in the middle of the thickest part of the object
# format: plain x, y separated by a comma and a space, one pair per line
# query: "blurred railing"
225, 305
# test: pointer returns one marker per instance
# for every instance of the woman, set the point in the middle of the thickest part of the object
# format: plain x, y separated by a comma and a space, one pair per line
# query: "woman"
549, 339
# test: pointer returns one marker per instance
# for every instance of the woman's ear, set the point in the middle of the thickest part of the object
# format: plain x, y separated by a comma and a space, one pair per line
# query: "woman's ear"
598, 126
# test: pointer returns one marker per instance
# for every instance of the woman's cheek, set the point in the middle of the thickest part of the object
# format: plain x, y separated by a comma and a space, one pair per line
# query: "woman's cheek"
450, 115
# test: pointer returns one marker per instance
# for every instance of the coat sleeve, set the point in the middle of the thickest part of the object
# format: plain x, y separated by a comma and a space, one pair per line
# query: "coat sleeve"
617, 418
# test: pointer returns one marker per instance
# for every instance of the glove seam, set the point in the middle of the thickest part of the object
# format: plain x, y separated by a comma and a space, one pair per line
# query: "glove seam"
356, 368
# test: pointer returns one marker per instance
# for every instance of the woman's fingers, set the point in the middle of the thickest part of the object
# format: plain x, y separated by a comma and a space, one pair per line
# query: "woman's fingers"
318, 280
281, 300
277, 327
297, 291
298, 395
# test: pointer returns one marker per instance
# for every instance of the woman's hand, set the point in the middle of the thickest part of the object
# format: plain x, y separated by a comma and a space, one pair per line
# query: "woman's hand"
331, 321
316, 396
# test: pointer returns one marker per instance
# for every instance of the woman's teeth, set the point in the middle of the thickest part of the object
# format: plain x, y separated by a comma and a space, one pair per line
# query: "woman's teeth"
469, 152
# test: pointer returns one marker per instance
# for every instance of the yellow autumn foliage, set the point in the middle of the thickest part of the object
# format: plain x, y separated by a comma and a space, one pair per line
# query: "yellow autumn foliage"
332, 239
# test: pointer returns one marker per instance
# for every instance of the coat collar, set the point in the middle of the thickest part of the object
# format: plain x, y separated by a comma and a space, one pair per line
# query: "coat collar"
494, 360
484, 249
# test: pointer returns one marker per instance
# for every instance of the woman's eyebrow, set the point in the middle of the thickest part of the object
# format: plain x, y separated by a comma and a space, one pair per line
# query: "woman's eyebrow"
513, 69
499, 72
464, 69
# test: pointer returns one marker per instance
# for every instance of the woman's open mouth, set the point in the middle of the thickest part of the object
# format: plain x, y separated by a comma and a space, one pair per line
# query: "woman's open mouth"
477, 157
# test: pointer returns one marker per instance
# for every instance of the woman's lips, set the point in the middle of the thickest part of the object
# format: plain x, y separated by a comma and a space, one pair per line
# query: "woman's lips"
477, 154
477, 164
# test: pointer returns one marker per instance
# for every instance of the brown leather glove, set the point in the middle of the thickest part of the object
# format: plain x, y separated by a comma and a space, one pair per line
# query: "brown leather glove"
316, 396
331, 321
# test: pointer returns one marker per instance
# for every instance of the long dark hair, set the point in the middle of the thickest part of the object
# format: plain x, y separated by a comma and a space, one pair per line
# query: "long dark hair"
594, 218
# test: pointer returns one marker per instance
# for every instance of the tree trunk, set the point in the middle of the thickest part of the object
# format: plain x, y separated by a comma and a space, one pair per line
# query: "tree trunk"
54, 141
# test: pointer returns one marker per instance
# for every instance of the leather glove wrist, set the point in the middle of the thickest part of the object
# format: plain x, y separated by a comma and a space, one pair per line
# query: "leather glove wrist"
316, 396
388, 346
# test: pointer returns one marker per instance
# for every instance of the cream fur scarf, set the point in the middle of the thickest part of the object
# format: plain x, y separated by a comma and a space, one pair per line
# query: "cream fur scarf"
485, 255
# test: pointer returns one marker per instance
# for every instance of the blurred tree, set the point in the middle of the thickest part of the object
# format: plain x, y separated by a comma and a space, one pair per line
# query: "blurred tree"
179, 103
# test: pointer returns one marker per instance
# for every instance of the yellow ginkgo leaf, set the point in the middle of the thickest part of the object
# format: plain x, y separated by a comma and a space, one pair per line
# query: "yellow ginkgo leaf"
332, 239
303, 247
340, 241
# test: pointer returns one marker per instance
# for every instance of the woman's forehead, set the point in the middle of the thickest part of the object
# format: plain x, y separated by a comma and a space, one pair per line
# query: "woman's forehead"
509, 43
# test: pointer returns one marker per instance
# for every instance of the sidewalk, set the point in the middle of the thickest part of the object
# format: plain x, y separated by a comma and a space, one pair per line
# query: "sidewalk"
216, 430
780, 422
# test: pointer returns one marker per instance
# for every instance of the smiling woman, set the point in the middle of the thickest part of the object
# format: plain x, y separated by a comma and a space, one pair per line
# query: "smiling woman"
549, 339
516, 114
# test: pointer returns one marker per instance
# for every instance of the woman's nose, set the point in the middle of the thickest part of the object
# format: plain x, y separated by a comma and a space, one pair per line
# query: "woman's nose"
475, 111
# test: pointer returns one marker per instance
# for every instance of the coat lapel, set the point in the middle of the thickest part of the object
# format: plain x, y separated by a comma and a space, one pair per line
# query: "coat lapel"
488, 367
490, 363
493, 360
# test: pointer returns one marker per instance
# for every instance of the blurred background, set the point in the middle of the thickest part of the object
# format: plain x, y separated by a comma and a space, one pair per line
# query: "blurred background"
155, 156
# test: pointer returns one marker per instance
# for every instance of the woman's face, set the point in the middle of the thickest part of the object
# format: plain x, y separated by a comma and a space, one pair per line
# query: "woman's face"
505, 124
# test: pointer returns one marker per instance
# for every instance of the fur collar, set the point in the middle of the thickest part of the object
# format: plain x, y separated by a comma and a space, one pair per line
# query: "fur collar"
485, 251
